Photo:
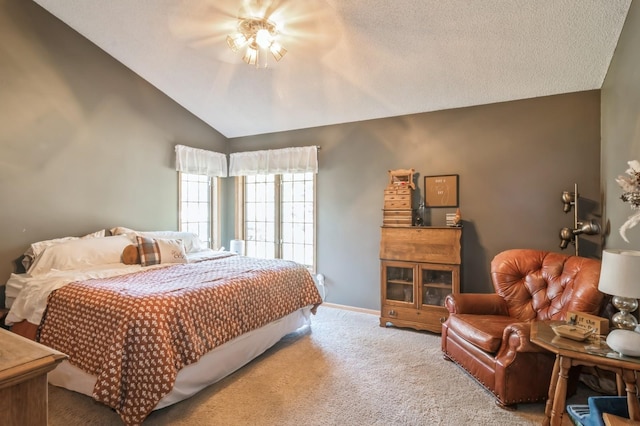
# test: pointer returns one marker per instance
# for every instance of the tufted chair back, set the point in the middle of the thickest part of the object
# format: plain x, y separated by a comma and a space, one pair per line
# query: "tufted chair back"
545, 285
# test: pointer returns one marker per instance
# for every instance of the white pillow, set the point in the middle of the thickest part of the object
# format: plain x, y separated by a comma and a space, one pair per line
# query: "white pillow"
36, 248
191, 241
120, 230
80, 254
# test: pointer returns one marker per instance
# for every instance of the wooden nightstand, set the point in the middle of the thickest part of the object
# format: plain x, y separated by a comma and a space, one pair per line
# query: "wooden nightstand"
24, 365
3, 315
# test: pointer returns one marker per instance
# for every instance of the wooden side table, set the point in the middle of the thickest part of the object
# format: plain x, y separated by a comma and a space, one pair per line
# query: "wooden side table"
570, 353
3, 315
24, 365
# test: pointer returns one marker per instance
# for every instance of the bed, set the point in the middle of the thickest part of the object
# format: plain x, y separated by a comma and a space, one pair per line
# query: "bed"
143, 336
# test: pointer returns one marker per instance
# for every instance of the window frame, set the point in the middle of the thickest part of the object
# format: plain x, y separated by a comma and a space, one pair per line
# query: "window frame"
215, 227
240, 214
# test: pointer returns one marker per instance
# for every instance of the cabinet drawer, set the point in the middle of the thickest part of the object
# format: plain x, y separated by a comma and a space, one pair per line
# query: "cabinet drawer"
396, 197
398, 191
426, 319
397, 218
397, 204
397, 222
397, 214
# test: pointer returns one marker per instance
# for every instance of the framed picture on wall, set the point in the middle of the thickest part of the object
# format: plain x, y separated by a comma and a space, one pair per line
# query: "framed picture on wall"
441, 191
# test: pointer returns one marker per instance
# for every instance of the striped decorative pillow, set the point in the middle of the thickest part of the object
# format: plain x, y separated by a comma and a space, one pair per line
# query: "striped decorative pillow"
154, 251
149, 251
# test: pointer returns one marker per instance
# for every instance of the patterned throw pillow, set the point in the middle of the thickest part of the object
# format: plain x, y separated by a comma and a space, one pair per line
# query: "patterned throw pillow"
149, 251
154, 251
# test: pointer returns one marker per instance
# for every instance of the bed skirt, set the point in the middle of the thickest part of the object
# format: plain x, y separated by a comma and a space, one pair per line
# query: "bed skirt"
212, 367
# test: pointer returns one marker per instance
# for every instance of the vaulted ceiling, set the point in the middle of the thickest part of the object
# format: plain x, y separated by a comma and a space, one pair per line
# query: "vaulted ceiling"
353, 60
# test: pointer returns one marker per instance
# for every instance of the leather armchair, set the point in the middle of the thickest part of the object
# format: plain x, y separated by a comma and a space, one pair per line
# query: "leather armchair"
488, 334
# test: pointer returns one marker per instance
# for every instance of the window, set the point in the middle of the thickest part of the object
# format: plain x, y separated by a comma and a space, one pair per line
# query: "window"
199, 207
279, 216
275, 210
260, 216
297, 217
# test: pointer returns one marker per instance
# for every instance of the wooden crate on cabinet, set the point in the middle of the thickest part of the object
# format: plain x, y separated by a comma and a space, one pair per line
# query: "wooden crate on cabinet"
397, 207
398, 210
419, 266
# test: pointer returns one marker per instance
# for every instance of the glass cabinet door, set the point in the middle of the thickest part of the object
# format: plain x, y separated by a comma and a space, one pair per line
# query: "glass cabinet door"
436, 282
399, 282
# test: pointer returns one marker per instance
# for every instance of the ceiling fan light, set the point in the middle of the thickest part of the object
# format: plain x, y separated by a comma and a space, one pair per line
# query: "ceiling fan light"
251, 55
277, 50
256, 33
236, 41
263, 38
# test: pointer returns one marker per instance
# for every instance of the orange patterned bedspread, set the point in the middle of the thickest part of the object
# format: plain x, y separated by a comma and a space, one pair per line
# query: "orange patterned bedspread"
135, 332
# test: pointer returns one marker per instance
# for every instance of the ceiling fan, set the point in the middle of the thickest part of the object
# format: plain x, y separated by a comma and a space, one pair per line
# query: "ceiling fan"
256, 28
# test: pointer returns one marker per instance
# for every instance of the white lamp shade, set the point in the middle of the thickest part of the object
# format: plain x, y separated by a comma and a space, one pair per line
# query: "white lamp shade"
620, 273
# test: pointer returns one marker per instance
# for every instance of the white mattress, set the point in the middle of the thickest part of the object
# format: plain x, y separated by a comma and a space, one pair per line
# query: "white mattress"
212, 367
13, 287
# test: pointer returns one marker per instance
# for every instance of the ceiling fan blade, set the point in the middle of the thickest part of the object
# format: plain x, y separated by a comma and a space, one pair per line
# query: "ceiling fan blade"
199, 21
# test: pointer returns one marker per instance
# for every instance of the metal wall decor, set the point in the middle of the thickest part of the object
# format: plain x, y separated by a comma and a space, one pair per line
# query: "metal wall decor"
569, 235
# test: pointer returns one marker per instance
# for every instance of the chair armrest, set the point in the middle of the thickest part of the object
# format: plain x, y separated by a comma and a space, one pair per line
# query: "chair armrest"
476, 303
516, 338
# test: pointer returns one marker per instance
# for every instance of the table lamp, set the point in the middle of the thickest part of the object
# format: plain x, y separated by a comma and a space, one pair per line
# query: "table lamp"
620, 277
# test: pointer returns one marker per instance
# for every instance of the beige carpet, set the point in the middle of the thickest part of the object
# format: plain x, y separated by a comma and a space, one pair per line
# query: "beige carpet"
346, 370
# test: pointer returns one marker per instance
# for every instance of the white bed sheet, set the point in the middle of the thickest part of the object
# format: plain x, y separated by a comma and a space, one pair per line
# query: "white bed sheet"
28, 295
212, 367
15, 283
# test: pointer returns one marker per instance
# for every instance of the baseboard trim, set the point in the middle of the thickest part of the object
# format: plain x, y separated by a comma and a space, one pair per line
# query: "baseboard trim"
351, 308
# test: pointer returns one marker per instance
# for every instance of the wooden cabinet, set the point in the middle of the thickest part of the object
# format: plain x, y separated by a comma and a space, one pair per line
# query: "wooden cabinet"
23, 379
419, 266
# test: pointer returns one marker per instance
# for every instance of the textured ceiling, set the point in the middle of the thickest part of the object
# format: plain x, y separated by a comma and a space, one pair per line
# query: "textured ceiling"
353, 60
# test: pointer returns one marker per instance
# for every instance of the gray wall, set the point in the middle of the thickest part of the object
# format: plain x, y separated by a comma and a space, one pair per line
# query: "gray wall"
85, 143
514, 160
621, 127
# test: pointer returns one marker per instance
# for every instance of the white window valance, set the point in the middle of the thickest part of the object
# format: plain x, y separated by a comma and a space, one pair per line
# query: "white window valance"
200, 161
274, 161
